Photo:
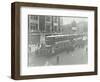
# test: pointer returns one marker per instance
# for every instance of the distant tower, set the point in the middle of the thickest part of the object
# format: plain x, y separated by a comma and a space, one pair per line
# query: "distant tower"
74, 26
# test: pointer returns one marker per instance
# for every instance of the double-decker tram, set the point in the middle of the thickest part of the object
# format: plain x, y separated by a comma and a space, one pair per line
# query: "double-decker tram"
53, 44
58, 43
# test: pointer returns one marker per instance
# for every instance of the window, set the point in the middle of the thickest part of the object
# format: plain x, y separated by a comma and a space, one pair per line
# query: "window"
59, 29
34, 17
33, 26
48, 18
48, 26
55, 19
55, 28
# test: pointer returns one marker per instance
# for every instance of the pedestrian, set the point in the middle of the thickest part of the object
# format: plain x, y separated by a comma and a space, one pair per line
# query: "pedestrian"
57, 60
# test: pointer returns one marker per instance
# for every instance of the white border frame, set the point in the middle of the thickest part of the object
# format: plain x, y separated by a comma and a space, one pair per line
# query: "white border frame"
24, 70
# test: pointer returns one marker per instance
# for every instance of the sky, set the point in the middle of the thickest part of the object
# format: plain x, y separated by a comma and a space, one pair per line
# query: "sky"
68, 20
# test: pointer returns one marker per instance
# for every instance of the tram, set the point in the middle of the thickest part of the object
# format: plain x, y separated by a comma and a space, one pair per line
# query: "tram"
58, 43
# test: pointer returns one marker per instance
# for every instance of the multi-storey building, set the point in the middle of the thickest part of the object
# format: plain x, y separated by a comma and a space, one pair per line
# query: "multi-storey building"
44, 24
39, 26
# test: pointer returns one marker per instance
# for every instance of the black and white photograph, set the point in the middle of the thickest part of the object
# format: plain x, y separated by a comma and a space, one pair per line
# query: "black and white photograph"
57, 40
50, 40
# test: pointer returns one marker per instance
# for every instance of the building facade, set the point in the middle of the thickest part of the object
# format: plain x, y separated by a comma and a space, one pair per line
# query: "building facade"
44, 24
39, 26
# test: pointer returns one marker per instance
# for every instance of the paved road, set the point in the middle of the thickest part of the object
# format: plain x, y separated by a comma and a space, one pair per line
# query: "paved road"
78, 56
